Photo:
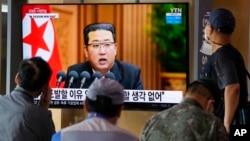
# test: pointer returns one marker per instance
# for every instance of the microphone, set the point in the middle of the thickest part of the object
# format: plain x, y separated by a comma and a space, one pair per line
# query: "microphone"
96, 75
60, 76
85, 76
73, 75
110, 75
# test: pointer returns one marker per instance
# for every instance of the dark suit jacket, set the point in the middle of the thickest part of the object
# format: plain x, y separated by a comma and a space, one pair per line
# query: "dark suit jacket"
127, 74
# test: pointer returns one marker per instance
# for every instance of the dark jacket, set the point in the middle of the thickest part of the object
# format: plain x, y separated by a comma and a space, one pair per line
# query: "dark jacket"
127, 74
21, 120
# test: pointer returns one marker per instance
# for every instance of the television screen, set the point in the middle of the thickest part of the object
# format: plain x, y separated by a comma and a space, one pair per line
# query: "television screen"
152, 36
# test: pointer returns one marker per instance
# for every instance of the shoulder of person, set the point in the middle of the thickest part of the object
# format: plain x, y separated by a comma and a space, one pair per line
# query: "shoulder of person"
127, 135
126, 65
83, 64
40, 112
79, 67
227, 49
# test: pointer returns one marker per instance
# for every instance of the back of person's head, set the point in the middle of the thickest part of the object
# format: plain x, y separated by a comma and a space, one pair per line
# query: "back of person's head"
105, 96
98, 26
210, 85
222, 20
33, 73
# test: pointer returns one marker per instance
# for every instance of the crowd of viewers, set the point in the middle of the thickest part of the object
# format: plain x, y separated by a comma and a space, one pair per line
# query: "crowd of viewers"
190, 120
193, 119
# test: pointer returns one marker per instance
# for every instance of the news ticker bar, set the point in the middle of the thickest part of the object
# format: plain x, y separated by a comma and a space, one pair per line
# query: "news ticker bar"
151, 96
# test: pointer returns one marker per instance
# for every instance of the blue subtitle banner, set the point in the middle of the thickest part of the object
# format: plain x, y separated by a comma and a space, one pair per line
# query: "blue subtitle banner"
173, 18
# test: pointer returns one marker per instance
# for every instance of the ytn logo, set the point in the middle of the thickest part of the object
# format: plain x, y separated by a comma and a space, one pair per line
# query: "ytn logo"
176, 10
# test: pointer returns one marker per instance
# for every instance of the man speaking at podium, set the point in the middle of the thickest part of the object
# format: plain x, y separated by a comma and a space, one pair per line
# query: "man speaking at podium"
100, 50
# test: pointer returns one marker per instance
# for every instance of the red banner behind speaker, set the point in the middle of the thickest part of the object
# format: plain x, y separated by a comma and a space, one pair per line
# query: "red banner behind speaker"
39, 38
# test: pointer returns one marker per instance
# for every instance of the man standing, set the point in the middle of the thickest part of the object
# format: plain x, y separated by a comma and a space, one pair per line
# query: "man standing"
100, 50
226, 66
20, 119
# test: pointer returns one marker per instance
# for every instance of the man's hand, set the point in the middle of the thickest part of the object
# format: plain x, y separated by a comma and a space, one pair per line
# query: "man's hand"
227, 126
45, 97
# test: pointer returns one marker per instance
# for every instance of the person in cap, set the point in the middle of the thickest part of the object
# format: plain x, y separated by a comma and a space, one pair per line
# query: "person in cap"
226, 66
20, 118
190, 120
104, 103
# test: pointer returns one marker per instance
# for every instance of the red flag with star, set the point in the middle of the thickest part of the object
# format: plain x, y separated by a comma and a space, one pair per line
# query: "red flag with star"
39, 38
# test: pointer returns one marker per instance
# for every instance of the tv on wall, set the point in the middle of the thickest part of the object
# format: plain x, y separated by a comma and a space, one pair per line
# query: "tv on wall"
152, 36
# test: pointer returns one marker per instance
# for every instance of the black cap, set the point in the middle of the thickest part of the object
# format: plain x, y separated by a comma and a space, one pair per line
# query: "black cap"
222, 20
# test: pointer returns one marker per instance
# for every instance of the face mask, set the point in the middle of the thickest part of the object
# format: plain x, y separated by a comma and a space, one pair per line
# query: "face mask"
206, 47
206, 37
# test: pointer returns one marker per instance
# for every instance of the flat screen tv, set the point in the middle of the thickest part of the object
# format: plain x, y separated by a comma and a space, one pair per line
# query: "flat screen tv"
152, 36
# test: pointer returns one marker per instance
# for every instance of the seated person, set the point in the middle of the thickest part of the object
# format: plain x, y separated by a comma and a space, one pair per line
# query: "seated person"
190, 120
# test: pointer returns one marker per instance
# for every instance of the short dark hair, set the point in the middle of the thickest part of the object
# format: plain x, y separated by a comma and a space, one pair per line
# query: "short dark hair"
98, 26
33, 73
211, 85
103, 105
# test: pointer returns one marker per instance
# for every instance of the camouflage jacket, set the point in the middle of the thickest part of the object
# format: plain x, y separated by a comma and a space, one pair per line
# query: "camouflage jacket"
186, 121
